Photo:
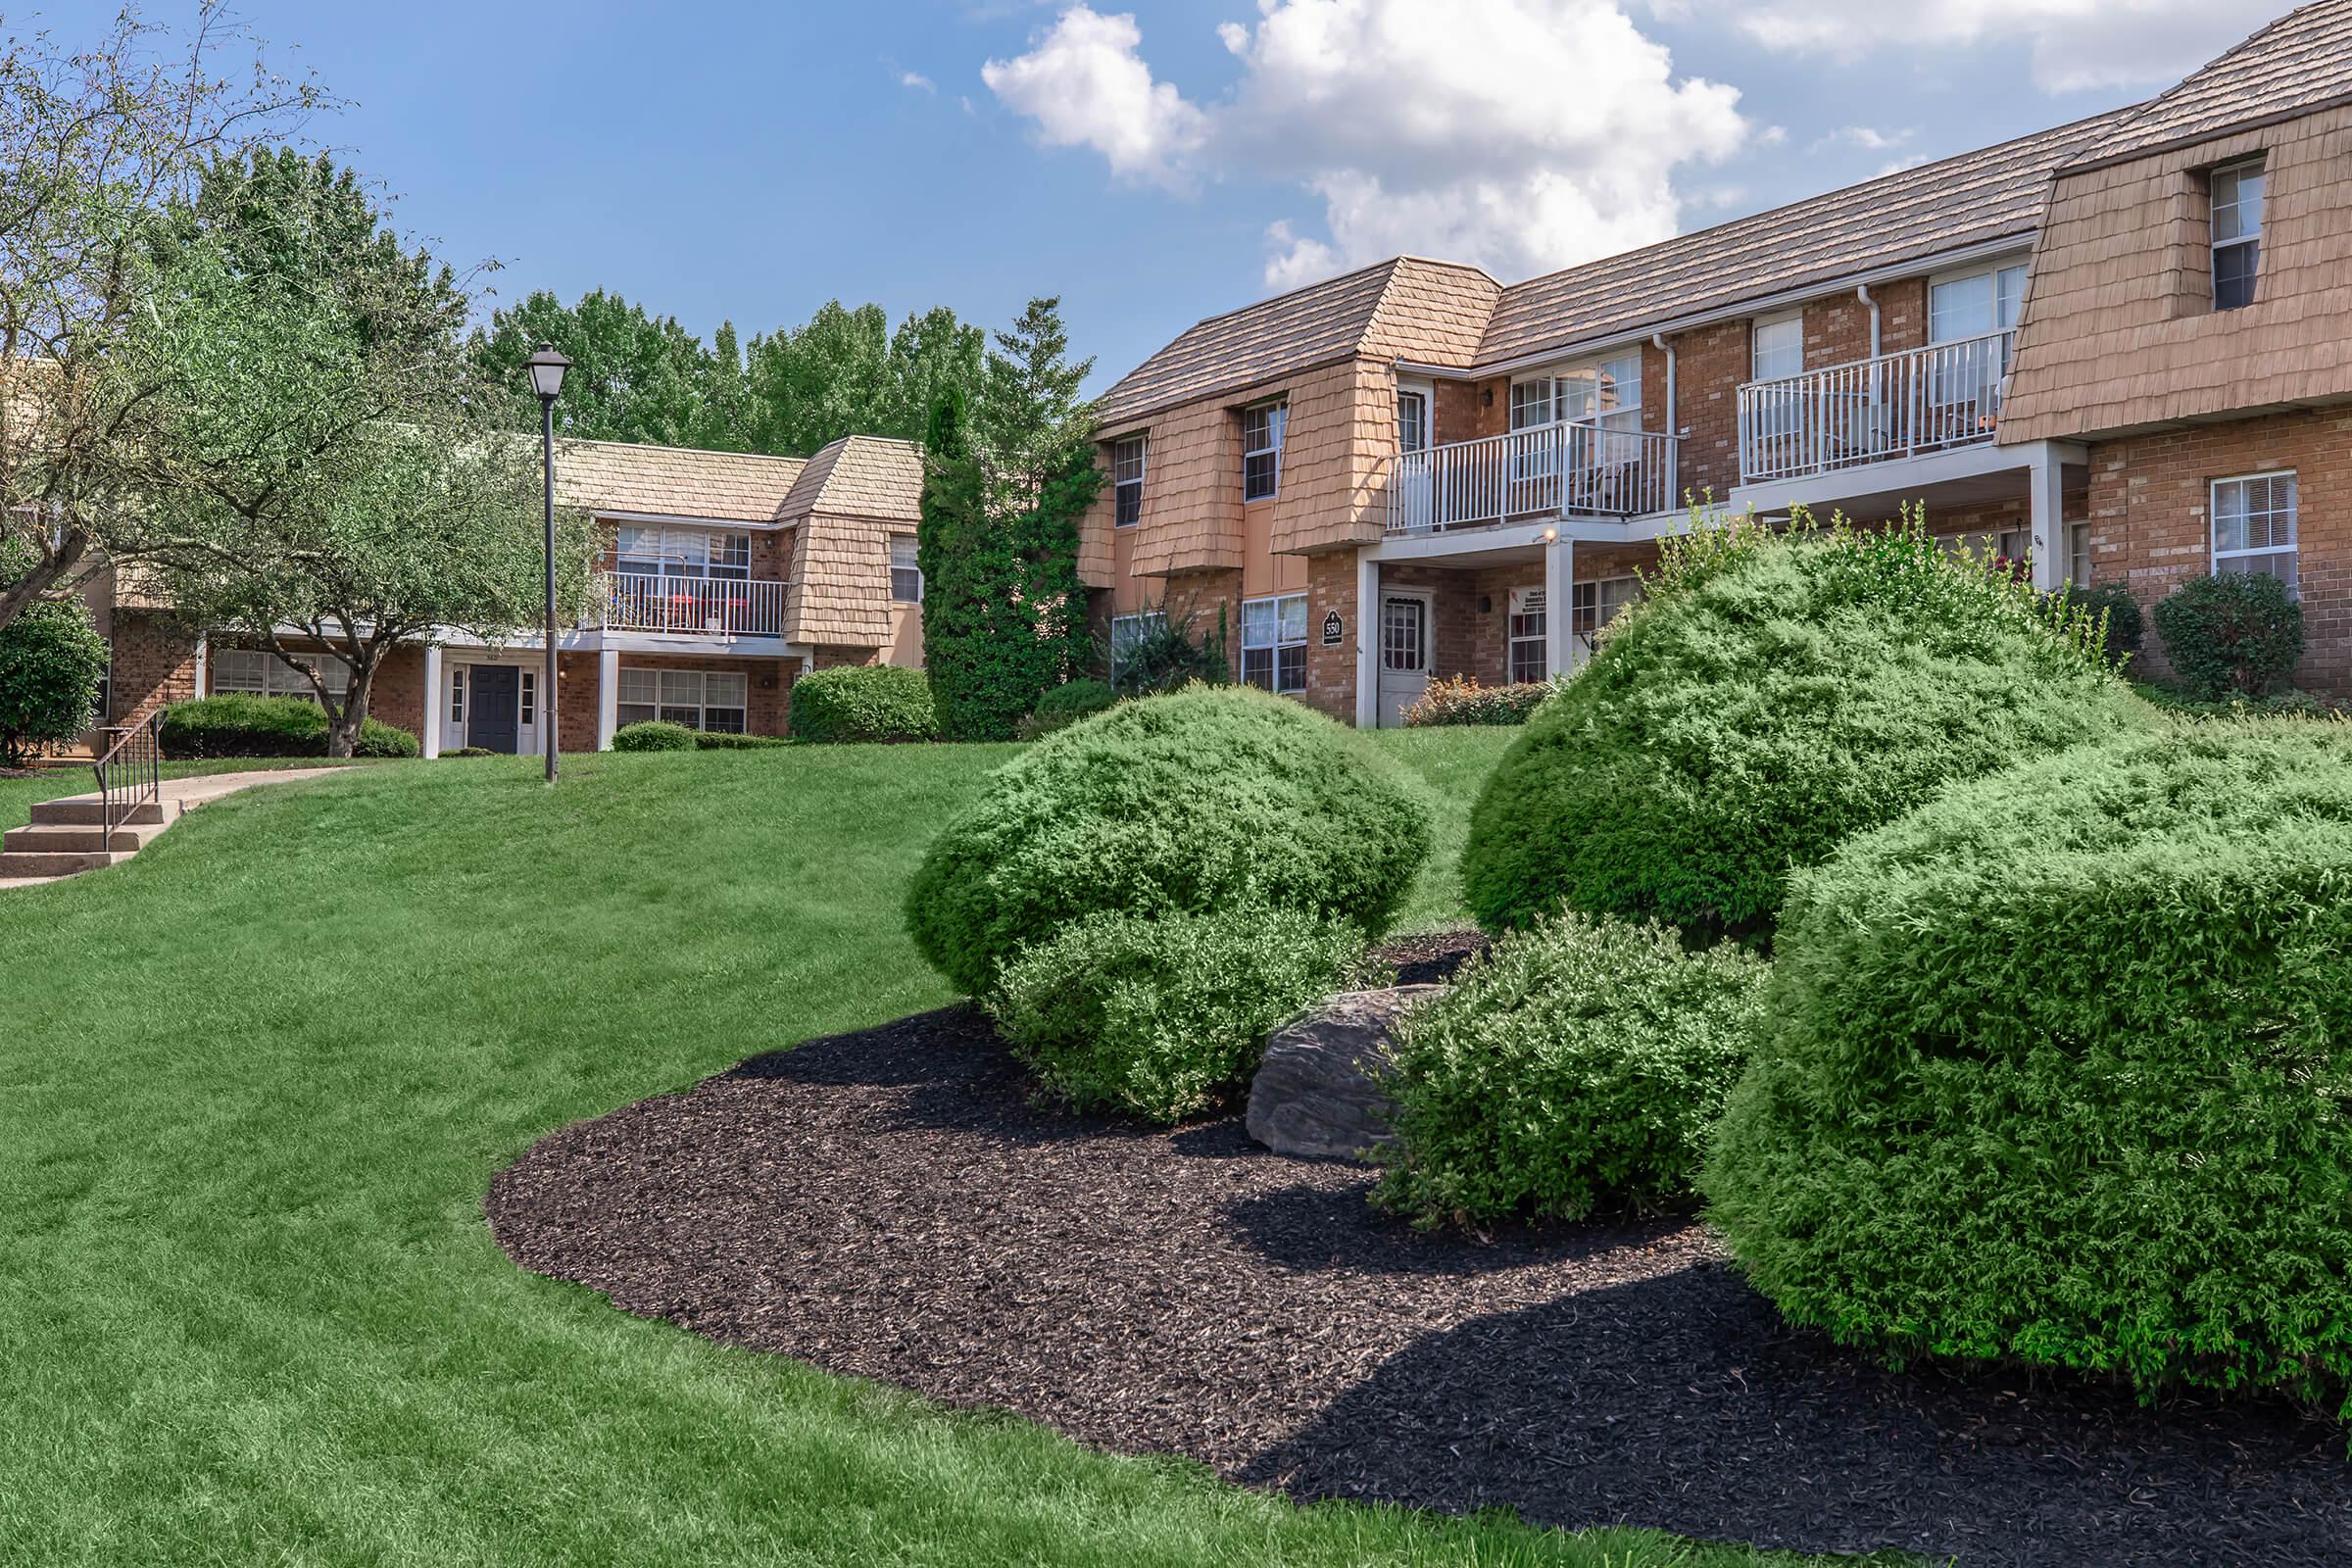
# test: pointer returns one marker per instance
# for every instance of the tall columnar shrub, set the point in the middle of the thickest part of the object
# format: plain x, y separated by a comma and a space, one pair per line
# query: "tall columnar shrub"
1575, 1065
2059, 1069
1180, 804
2235, 632
52, 660
1161, 1017
1771, 696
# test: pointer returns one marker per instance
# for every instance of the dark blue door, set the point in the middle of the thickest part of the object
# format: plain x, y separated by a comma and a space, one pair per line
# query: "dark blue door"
495, 698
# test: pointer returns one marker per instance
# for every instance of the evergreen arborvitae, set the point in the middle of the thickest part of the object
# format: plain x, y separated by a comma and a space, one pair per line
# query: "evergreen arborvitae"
1003, 490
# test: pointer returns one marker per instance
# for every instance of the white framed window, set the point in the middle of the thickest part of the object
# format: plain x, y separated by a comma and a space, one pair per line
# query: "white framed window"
1263, 427
682, 552
2236, 191
1412, 419
1529, 653
1974, 304
1127, 459
1274, 642
256, 674
1776, 347
2254, 525
1597, 604
1129, 631
712, 700
529, 714
1605, 392
1405, 634
906, 574
457, 694
2078, 554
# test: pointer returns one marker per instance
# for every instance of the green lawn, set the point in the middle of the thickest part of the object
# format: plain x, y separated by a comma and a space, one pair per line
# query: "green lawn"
253, 1083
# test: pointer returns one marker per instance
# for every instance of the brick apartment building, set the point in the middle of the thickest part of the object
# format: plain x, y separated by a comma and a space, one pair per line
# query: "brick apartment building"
2117, 346
723, 576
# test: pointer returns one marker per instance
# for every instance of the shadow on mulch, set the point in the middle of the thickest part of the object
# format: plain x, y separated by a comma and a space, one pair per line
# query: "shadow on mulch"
888, 1204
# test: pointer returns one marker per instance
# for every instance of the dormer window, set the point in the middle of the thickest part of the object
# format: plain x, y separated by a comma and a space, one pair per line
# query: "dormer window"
1127, 481
1261, 449
2237, 190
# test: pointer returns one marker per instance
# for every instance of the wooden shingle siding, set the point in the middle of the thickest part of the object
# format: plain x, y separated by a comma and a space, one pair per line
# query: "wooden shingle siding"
2119, 331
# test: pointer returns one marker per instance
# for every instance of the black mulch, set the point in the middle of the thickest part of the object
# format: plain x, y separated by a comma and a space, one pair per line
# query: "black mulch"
888, 1204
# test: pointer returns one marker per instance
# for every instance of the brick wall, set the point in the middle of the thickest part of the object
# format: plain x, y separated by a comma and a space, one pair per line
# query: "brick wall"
767, 699
396, 697
155, 665
2148, 508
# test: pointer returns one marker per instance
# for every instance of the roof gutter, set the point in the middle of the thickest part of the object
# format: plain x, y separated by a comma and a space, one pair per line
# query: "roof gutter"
1960, 256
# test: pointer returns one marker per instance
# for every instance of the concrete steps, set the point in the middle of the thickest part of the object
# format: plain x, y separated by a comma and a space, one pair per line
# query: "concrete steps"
61, 838
41, 865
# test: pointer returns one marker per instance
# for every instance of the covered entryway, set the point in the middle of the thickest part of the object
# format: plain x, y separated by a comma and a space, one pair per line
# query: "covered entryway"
495, 708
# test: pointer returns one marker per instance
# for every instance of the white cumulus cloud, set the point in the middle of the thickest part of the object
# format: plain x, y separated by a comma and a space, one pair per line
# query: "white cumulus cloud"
1520, 134
2073, 44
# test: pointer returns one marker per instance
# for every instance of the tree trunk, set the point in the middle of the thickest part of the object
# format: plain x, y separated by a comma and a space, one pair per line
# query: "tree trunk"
343, 729
44, 575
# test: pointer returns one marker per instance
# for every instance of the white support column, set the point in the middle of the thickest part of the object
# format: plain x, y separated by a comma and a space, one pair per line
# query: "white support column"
2046, 491
608, 695
1559, 605
436, 703
1367, 641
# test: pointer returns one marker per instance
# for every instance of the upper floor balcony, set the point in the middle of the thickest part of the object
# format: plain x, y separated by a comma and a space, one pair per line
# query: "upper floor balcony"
1895, 406
1569, 468
703, 606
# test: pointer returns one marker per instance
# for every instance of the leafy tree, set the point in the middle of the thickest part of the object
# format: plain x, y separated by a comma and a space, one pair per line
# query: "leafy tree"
634, 377
1003, 490
320, 449
846, 373
51, 662
95, 143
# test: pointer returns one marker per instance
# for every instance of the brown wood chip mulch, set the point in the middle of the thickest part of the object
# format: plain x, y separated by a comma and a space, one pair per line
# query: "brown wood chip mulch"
889, 1204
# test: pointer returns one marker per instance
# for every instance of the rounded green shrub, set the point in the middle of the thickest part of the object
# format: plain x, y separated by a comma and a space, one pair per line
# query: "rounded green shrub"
52, 660
712, 740
863, 703
1161, 1017
1773, 695
2059, 1069
1064, 706
233, 724
653, 735
1576, 1066
2127, 628
2234, 634
1170, 804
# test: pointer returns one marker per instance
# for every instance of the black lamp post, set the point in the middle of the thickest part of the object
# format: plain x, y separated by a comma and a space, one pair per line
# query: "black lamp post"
547, 368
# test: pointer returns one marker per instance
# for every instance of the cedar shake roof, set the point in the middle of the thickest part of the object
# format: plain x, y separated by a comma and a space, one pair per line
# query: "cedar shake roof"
861, 477
2299, 63
1404, 306
1976, 197
675, 481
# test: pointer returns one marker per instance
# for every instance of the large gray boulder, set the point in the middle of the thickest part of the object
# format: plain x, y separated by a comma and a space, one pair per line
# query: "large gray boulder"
1315, 1094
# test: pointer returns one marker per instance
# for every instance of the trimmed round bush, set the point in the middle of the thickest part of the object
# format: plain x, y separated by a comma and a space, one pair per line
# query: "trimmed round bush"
1771, 696
2236, 632
1161, 1018
1179, 804
652, 735
863, 703
1576, 1066
2059, 1069
1064, 706
233, 724
51, 662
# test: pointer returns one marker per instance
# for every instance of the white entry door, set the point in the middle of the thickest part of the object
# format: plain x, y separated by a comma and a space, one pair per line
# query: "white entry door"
1405, 653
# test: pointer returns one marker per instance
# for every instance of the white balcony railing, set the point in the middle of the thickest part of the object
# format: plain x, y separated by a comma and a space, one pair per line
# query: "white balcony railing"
1576, 470
723, 607
1870, 411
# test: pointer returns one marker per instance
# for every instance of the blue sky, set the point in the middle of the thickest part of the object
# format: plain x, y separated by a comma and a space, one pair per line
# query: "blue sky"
1156, 163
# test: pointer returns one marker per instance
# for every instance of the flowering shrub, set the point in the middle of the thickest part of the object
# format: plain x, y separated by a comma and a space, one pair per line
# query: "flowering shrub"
1463, 700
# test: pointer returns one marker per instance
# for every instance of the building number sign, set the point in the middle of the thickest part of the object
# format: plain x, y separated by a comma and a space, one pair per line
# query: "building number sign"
1333, 628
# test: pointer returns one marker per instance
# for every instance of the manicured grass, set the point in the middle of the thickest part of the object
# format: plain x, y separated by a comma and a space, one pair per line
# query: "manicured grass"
17, 795
253, 1083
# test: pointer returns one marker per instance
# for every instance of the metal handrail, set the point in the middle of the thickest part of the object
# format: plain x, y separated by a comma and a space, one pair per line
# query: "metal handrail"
1570, 467
130, 774
1895, 405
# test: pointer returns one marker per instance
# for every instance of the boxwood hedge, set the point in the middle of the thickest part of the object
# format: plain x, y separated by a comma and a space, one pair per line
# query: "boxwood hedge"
1773, 695
863, 703
1161, 1017
1170, 804
2059, 1069
237, 725
1577, 1064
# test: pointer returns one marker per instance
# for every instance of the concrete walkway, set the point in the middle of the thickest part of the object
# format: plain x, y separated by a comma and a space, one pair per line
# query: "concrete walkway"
65, 837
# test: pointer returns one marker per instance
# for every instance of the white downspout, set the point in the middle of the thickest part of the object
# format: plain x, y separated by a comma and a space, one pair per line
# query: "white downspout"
1862, 293
1674, 428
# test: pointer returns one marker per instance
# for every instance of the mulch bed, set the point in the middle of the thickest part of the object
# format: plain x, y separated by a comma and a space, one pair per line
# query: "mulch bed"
890, 1204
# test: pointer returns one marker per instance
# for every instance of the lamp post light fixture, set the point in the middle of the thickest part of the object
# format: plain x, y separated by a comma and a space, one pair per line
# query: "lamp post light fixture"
547, 368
